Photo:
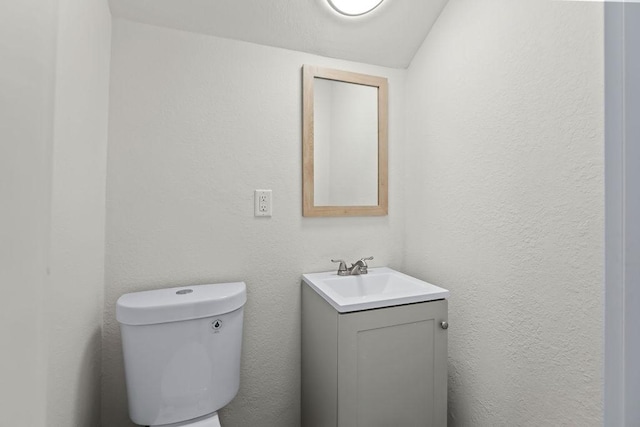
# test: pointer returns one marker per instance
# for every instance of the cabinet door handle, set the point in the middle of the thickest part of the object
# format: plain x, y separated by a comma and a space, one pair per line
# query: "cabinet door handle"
444, 325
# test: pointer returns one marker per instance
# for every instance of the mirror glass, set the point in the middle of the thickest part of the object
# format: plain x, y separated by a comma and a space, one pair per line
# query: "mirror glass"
345, 148
344, 143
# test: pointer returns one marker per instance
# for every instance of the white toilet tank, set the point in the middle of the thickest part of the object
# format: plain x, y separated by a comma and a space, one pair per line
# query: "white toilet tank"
181, 350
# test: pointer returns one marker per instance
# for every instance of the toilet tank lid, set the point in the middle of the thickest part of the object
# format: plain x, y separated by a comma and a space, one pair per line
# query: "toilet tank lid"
181, 303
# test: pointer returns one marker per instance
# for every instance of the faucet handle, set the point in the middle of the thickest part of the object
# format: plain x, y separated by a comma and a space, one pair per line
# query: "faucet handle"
342, 269
366, 259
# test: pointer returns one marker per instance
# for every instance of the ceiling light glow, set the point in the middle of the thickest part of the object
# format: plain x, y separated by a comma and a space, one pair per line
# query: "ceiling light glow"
354, 7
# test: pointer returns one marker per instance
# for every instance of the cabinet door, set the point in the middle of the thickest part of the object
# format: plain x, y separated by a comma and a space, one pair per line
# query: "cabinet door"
392, 367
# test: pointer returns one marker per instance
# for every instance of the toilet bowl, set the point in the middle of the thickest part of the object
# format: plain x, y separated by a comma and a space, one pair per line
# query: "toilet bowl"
181, 350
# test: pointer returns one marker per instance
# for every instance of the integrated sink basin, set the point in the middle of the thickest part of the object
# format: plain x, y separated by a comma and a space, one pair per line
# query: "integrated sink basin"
381, 287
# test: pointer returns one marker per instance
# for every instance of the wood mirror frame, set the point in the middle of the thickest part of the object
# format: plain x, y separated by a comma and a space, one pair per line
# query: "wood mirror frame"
309, 73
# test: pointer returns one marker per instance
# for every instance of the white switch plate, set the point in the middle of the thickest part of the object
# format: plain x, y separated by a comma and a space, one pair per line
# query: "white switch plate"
262, 202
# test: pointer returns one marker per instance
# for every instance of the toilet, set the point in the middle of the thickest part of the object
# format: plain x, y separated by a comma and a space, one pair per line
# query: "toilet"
181, 350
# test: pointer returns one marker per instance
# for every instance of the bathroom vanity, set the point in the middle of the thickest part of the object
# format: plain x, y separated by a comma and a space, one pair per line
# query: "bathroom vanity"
374, 350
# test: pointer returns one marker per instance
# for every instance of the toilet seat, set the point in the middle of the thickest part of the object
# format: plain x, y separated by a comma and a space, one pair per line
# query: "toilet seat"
209, 420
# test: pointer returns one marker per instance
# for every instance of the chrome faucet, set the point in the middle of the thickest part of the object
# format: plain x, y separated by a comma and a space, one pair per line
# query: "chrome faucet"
357, 268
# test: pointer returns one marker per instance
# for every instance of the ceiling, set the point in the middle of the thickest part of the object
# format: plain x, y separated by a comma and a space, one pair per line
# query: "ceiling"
388, 36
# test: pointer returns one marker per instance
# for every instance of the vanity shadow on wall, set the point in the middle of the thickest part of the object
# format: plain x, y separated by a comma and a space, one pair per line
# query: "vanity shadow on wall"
344, 143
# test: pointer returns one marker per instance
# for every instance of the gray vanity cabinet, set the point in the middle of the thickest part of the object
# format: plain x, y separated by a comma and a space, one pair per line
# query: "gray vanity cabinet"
385, 367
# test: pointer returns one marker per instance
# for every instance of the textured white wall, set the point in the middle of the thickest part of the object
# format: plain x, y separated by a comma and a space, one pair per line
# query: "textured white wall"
505, 131
27, 31
196, 124
54, 85
76, 286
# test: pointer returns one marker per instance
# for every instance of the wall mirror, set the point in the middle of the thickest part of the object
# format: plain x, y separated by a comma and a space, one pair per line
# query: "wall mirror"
344, 143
